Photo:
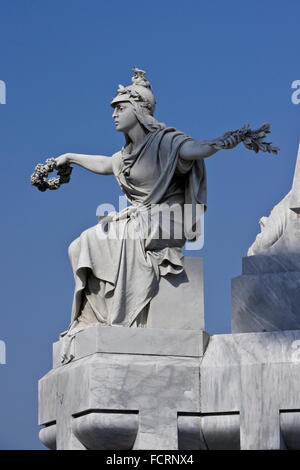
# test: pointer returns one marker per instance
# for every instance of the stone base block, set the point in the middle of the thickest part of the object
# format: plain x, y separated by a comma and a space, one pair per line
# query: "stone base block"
179, 303
118, 401
250, 390
267, 296
243, 393
138, 341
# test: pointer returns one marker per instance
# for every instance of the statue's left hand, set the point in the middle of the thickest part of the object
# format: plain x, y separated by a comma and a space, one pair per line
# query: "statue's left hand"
252, 139
229, 140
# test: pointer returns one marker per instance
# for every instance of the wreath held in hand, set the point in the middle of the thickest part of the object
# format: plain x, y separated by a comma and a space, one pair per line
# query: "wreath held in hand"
38, 178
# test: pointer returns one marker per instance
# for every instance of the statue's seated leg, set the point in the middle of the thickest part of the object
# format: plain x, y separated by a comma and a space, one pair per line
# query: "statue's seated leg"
87, 315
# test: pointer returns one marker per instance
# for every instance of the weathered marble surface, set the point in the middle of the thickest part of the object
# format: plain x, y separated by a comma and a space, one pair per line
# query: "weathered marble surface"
155, 387
165, 312
256, 375
177, 293
122, 382
266, 301
264, 264
243, 393
102, 430
140, 341
209, 432
267, 295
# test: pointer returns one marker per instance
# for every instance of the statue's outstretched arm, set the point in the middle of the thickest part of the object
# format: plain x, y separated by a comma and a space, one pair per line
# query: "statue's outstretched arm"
96, 163
252, 140
195, 150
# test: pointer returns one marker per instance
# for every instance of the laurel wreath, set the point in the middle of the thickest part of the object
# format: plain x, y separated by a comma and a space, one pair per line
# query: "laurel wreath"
41, 172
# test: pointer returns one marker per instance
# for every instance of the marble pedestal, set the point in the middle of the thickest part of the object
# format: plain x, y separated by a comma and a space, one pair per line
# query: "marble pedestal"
250, 385
124, 389
267, 295
168, 393
163, 388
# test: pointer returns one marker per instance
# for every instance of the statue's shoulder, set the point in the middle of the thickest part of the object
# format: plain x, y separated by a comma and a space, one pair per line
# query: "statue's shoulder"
173, 137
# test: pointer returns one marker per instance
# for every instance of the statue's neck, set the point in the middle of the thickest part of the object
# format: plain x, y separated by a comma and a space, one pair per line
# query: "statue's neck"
135, 137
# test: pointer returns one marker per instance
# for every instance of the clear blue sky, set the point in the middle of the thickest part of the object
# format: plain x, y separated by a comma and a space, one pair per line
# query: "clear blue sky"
213, 65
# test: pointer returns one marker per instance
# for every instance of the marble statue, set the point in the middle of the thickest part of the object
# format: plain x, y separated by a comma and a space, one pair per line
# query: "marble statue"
271, 227
266, 297
171, 386
280, 230
159, 166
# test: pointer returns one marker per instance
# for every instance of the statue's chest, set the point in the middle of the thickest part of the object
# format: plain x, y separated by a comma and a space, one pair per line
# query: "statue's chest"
140, 175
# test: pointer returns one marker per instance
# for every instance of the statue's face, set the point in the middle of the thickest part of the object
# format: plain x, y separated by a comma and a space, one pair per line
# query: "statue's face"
124, 117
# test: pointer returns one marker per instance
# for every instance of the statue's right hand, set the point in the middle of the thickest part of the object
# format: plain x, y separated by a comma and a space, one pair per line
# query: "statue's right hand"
63, 159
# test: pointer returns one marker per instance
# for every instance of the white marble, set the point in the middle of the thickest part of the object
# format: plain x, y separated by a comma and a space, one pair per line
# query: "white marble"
266, 301
140, 341
106, 430
280, 231
155, 387
179, 303
244, 393
256, 375
264, 264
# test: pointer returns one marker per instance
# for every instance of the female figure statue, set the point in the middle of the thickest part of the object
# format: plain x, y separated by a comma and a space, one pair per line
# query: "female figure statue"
116, 277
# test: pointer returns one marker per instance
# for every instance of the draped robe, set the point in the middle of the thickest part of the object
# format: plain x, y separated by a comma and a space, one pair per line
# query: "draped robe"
116, 277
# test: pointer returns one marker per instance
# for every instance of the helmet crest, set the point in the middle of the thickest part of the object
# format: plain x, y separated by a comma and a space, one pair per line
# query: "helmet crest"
139, 93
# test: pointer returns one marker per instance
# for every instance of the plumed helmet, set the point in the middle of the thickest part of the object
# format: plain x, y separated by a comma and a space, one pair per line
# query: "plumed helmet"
139, 93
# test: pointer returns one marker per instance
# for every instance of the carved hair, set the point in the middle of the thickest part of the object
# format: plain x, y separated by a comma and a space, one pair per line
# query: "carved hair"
147, 120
